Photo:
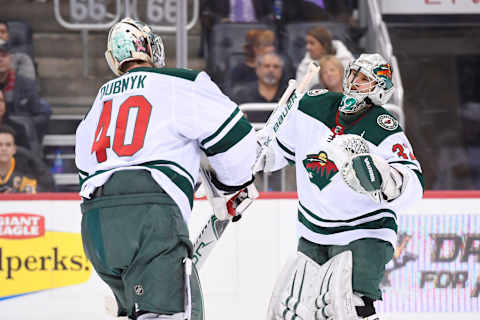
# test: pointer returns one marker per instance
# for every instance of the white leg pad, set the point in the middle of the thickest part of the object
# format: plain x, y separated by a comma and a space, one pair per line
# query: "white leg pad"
312, 292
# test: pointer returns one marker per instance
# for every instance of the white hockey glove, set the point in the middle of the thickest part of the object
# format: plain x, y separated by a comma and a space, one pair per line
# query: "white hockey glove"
265, 154
227, 204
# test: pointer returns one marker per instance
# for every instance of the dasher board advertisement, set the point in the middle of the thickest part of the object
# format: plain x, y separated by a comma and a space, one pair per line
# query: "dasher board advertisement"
45, 275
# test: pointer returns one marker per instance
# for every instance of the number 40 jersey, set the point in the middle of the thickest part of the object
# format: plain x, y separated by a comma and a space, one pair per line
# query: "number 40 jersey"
161, 120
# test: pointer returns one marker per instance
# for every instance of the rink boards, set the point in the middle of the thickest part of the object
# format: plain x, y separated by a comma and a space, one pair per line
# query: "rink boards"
44, 273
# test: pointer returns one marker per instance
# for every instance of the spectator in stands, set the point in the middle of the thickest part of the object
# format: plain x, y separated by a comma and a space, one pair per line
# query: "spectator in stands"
20, 136
318, 44
21, 62
21, 94
268, 87
20, 171
257, 43
331, 73
224, 11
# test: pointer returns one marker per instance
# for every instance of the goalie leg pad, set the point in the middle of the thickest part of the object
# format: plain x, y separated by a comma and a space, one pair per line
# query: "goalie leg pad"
312, 292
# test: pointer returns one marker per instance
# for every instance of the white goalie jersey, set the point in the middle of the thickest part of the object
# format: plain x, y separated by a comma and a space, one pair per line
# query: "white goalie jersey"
161, 120
329, 211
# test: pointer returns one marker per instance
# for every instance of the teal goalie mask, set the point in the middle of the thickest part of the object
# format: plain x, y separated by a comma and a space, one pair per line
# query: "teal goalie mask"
130, 40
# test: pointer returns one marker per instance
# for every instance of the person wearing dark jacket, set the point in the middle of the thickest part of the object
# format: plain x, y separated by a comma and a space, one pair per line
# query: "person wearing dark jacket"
267, 89
21, 61
21, 94
20, 170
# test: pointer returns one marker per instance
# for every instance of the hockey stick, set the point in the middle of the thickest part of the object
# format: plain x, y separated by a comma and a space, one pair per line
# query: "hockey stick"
214, 228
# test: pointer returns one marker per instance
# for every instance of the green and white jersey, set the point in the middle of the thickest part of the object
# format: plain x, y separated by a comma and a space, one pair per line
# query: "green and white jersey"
329, 211
161, 120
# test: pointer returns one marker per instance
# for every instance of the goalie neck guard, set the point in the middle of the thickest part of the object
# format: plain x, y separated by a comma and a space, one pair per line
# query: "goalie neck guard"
131, 40
367, 80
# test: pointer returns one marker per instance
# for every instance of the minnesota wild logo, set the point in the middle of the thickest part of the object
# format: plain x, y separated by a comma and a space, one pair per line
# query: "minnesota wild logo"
320, 169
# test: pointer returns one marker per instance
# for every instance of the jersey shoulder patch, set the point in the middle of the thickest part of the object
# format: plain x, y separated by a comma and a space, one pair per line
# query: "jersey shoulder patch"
387, 122
377, 125
186, 74
321, 105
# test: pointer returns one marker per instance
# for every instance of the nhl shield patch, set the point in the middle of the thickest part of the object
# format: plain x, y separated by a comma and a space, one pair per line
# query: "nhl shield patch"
387, 122
316, 92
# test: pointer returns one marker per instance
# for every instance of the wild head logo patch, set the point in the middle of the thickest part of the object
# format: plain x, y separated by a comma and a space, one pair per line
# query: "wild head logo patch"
387, 122
320, 169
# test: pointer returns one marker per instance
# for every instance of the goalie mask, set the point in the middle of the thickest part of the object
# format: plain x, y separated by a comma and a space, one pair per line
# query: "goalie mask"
367, 80
130, 40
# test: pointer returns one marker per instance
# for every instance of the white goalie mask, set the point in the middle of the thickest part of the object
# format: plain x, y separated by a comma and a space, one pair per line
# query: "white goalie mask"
378, 89
130, 40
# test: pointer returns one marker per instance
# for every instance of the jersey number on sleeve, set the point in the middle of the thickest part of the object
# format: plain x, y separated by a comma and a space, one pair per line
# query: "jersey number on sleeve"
102, 141
402, 151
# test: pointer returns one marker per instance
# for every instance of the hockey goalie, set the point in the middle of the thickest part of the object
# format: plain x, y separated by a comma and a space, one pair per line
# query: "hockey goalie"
355, 170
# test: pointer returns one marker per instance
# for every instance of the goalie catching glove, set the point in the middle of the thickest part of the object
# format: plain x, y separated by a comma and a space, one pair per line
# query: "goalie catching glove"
370, 174
363, 171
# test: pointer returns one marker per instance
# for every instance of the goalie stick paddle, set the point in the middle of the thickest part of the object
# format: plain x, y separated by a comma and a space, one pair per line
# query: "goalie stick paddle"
214, 228
207, 239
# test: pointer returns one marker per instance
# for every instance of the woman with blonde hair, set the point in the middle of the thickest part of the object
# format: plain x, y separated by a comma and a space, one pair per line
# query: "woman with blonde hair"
331, 73
319, 43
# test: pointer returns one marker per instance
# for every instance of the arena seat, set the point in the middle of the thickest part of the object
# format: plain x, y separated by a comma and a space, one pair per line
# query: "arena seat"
26, 134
